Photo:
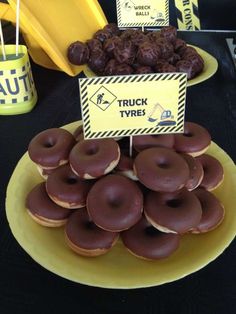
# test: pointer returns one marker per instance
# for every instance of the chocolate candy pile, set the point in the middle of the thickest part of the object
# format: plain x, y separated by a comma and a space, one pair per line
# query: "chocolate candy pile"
115, 52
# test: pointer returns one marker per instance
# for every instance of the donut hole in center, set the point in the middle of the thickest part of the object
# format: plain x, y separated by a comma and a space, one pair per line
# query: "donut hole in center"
115, 203
174, 203
71, 180
49, 143
150, 231
163, 165
92, 150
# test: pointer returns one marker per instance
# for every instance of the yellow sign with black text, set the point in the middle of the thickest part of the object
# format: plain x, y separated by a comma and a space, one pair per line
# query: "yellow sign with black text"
187, 14
114, 106
142, 13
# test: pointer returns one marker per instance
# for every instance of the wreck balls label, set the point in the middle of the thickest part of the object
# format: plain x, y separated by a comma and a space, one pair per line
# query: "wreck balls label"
142, 13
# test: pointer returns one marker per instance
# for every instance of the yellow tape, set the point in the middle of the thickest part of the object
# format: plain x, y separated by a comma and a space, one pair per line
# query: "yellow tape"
187, 14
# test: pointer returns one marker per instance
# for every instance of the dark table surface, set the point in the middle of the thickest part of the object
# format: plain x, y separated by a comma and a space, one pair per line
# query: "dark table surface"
26, 287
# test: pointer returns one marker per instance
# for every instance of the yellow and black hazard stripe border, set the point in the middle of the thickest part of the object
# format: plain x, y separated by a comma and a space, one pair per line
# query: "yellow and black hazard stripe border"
150, 24
178, 128
187, 13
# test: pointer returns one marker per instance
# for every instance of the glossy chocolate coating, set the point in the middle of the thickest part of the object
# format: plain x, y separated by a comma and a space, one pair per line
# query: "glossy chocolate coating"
82, 232
194, 139
154, 36
174, 59
178, 212
115, 68
110, 68
65, 187
186, 66
78, 53
127, 34
138, 37
146, 242
213, 172
164, 67
195, 172
148, 54
97, 61
39, 203
143, 69
102, 35
50, 147
94, 44
115, 203
112, 28
161, 169
142, 142
169, 33
125, 52
110, 44
93, 157
196, 61
123, 69
188, 50
212, 211
180, 44
166, 48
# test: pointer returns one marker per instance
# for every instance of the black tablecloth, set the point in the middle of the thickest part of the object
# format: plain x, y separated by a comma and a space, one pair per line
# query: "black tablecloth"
26, 287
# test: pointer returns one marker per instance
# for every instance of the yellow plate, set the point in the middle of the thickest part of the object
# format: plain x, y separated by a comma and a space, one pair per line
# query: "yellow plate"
118, 268
210, 67
49, 27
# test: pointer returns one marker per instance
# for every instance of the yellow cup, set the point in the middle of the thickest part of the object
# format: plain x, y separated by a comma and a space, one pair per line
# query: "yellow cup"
17, 90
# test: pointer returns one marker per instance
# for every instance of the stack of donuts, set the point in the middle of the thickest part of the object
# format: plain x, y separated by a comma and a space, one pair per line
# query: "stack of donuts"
150, 200
115, 52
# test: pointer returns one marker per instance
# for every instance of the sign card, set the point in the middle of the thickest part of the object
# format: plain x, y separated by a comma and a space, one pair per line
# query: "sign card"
128, 105
142, 13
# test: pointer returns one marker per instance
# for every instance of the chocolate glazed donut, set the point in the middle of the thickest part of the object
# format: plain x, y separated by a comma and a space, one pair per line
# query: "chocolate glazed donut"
43, 210
213, 172
50, 148
161, 169
142, 142
194, 141
85, 238
212, 211
115, 203
66, 189
195, 172
90, 159
145, 241
177, 212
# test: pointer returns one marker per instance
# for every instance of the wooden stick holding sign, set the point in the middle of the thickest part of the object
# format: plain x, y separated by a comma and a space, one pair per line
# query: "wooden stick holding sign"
2, 43
131, 137
17, 26
130, 146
